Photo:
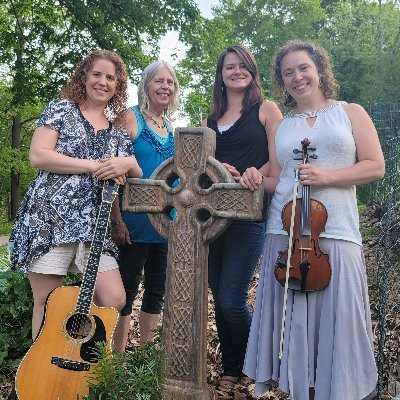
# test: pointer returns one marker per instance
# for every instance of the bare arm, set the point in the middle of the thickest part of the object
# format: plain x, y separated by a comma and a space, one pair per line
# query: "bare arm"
119, 231
370, 163
131, 124
270, 116
42, 155
274, 169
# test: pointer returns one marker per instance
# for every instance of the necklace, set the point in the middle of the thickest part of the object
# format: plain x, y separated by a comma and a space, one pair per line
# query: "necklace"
159, 126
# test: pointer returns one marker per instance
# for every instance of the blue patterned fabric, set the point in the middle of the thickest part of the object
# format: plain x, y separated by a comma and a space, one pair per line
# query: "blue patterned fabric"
61, 208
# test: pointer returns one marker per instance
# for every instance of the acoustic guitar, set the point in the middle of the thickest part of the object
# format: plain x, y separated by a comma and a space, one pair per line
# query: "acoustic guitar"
57, 365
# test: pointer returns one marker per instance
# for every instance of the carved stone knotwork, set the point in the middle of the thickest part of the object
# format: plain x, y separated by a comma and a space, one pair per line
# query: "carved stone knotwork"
205, 199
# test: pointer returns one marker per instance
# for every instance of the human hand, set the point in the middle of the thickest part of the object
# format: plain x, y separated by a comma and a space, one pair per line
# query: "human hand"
312, 175
120, 180
251, 178
120, 234
115, 167
233, 171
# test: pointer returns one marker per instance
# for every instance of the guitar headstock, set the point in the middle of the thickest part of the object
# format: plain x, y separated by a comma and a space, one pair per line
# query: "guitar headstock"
110, 190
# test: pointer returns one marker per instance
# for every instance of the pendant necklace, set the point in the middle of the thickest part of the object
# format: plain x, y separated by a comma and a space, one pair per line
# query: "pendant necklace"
159, 126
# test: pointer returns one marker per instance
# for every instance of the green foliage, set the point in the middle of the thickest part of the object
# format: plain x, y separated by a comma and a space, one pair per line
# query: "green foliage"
42, 41
135, 374
15, 315
45, 39
16, 304
369, 231
5, 228
362, 37
197, 70
3, 255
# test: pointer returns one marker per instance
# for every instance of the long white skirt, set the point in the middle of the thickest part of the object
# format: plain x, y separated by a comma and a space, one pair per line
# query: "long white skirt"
328, 334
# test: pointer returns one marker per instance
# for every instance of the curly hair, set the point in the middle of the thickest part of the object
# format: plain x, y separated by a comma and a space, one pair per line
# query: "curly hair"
253, 93
321, 59
75, 89
143, 88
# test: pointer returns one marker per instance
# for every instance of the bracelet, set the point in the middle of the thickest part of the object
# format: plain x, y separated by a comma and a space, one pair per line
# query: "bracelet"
115, 222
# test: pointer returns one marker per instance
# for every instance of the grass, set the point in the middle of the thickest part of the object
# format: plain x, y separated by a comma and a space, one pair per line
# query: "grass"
5, 227
369, 231
3, 252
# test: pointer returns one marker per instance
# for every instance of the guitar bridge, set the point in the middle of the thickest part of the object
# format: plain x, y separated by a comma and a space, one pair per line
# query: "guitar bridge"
69, 364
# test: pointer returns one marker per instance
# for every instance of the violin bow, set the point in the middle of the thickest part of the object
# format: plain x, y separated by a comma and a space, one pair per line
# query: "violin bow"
289, 256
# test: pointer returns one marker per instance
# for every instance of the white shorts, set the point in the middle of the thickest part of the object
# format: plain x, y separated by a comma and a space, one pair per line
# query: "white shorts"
71, 257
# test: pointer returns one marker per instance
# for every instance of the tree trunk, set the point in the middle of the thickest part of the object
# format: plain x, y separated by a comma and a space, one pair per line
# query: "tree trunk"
15, 175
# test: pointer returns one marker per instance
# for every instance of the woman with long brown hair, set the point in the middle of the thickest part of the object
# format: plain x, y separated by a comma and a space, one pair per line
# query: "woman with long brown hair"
242, 120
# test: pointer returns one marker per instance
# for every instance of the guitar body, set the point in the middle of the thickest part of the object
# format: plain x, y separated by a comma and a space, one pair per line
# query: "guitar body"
58, 363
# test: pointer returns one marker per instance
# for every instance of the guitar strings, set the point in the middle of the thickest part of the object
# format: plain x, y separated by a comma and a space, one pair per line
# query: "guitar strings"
98, 238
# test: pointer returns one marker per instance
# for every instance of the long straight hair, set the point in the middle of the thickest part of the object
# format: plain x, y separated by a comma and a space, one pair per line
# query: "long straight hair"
253, 94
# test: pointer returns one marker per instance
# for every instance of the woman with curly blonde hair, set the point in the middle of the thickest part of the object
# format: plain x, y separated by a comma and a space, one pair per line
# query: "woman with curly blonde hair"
75, 89
78, 144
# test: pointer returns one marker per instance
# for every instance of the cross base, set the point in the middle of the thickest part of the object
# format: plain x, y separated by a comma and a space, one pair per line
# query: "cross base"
181, 392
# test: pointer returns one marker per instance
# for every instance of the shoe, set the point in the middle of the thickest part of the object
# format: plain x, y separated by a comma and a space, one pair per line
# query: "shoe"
234, 388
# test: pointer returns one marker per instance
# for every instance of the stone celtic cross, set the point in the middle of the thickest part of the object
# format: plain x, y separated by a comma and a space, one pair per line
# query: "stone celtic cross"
203, 211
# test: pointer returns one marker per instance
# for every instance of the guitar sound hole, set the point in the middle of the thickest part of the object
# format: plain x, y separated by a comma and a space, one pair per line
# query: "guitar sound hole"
79, 326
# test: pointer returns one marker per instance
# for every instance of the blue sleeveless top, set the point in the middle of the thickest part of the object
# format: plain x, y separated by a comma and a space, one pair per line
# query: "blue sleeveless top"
150, 151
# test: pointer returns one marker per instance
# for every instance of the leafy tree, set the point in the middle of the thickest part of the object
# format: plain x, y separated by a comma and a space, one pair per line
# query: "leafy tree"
266, 26
42, 40
361, 36
197, 70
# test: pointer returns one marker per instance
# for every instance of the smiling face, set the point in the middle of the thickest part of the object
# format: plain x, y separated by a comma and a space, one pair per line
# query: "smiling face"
161, 90
300, 76
235, 75
101, 82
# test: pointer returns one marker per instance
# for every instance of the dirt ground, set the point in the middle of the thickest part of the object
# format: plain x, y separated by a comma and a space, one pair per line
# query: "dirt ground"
3, 239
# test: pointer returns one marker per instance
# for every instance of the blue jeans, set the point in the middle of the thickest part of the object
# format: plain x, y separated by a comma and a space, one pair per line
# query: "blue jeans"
232, 259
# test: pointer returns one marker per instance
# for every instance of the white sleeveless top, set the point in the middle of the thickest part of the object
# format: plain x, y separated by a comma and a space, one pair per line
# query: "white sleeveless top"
332, 137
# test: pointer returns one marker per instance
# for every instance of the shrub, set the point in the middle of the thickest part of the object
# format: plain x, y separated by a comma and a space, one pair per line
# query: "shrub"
16, 305
133, 375
15, 315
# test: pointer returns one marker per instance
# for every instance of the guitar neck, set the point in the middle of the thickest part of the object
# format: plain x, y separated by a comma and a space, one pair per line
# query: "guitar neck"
89, 279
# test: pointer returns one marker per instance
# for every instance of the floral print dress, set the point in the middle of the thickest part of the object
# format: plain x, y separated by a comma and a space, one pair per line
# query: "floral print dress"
62, 208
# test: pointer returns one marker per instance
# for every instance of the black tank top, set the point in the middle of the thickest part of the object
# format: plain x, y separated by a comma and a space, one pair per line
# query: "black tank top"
244, 144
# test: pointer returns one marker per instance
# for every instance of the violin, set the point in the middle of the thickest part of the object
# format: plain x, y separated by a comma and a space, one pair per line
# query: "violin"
309, 267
